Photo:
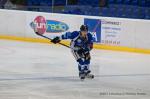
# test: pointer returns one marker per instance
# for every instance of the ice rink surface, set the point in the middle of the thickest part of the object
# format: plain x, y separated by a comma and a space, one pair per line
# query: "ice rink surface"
46, 71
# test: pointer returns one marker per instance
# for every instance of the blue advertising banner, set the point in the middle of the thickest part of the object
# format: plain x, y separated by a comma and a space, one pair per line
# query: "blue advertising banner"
94, 26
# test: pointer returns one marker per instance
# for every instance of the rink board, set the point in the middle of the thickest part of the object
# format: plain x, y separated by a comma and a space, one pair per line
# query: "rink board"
96, 46
109, 33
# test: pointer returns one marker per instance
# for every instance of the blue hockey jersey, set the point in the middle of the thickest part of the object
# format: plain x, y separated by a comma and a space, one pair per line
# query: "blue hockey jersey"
78, 42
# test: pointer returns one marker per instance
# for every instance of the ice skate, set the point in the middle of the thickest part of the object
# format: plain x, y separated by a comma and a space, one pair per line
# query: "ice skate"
88, 74
82, 76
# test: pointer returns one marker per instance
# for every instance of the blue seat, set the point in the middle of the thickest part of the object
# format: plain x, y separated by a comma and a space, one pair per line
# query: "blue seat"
81, 2
128, 12
134, 2
36, 2
105, 11
120, 12
39, 2
142, 3
148, 3
142, 12
127, 2
112, 12
43, 3
94, 11
119, 1
77, 11
136, 14
147, 13
29, 3
59, 2
74, 10
70, 8
94, 3
111, 1
49, 2
45, 9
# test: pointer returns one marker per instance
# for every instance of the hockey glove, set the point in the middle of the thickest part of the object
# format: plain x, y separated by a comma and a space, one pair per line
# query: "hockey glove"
55, 40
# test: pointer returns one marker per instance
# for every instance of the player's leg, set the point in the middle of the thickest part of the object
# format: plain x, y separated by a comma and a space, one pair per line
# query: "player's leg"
87, 60
80, 60
81, 68
87, 66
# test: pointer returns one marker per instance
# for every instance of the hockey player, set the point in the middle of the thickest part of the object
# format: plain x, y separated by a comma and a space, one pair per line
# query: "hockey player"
81, 45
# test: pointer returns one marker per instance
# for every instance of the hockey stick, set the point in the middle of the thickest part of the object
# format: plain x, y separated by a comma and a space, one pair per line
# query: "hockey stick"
50, 39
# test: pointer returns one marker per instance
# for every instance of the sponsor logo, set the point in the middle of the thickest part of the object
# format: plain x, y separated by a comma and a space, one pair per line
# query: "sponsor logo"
56, 26
50, 26
94, 28
110, 22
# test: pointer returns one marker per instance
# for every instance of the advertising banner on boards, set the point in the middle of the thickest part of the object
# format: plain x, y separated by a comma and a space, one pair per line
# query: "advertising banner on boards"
94, 26
52, 25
